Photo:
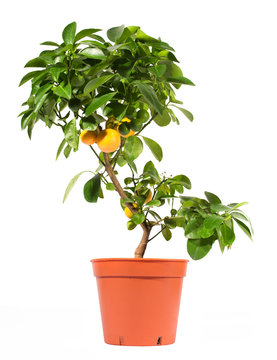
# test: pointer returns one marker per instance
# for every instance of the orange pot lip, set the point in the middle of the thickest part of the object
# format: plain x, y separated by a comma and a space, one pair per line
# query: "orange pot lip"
139, 260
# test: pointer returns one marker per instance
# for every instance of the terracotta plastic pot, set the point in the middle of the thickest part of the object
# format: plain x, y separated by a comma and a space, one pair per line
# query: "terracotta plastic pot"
139, 299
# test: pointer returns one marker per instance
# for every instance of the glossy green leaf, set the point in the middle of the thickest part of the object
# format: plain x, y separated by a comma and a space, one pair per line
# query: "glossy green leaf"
110, 186
142, 36
237, 205
150, 96
29, 76
49, 43
133, 147
153, 203
164, 119
181, 180
138, 218
92, 189
71, 134
99, 101
199, 248
150, 170
63, 91
167, 234
228, 235
39, 103
212, 198
180, 80
95, 83
42, 90
154, 147
193, 227
131, 225
115, 33
244, 228
86, 32
170, 223
68, 33
37, 62
187, 113
67, 150
89, 123
157, 70
72, 182
219, 207
60, 148
93, 53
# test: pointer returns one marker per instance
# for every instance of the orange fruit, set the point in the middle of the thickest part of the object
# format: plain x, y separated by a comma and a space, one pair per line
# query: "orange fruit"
149, 197
88, 137
128, 212
108, 140
131, 132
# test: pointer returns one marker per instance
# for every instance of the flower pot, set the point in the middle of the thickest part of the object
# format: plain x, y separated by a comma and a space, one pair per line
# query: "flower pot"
139, 299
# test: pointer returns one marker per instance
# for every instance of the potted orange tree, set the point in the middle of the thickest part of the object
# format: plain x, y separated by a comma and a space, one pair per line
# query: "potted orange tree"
105, 93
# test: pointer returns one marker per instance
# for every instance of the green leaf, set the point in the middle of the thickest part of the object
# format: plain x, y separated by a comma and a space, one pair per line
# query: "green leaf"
150, 96
142, 36
228, 235
244, 227
138, 218
26, 119
40, 103
50, 43
71, 134
56, 70
187, 113
131, 225
29, 76
110, 186
170, 223
241, 216
37, 62
153, 203
167, 234
69, 33
198, 248
219, 207
180, 80
162, 120
72, 182
235, 206
133, 148
213, 221
154, 147
157, 70
115, 33
67, 151
172, 70
99, 101
93, 53
89, 123
86, 32
60, 148
194, 226
95, 83
150, 170
42, 90
212, 198
92, 189
181, 180
63, 91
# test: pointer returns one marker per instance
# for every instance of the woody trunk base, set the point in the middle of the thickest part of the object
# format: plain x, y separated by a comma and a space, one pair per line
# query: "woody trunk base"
139, 299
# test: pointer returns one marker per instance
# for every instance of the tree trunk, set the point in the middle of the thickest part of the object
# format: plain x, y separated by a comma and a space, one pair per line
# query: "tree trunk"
140, 250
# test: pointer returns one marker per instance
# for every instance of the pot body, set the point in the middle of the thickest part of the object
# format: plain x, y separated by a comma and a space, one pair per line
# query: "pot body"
139, 299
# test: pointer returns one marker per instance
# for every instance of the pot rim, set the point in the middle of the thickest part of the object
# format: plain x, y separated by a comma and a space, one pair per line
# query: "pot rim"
139, 259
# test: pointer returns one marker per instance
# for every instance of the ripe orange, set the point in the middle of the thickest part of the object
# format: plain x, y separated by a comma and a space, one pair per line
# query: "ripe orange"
88, 137
108, 140
128, 212
149, 197
131, 132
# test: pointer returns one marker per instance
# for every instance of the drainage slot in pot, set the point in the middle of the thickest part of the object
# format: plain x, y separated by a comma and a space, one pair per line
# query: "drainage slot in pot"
159, 341
121, 340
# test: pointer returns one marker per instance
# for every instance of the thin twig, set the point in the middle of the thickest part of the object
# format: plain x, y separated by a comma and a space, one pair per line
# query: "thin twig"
97, 155
163, 227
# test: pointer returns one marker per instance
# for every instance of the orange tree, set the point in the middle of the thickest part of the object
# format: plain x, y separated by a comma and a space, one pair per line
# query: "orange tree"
106, 92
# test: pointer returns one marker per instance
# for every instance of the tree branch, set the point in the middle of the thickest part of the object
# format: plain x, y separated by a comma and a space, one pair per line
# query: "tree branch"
140, 250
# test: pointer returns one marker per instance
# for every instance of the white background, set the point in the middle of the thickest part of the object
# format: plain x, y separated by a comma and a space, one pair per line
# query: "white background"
48, 303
